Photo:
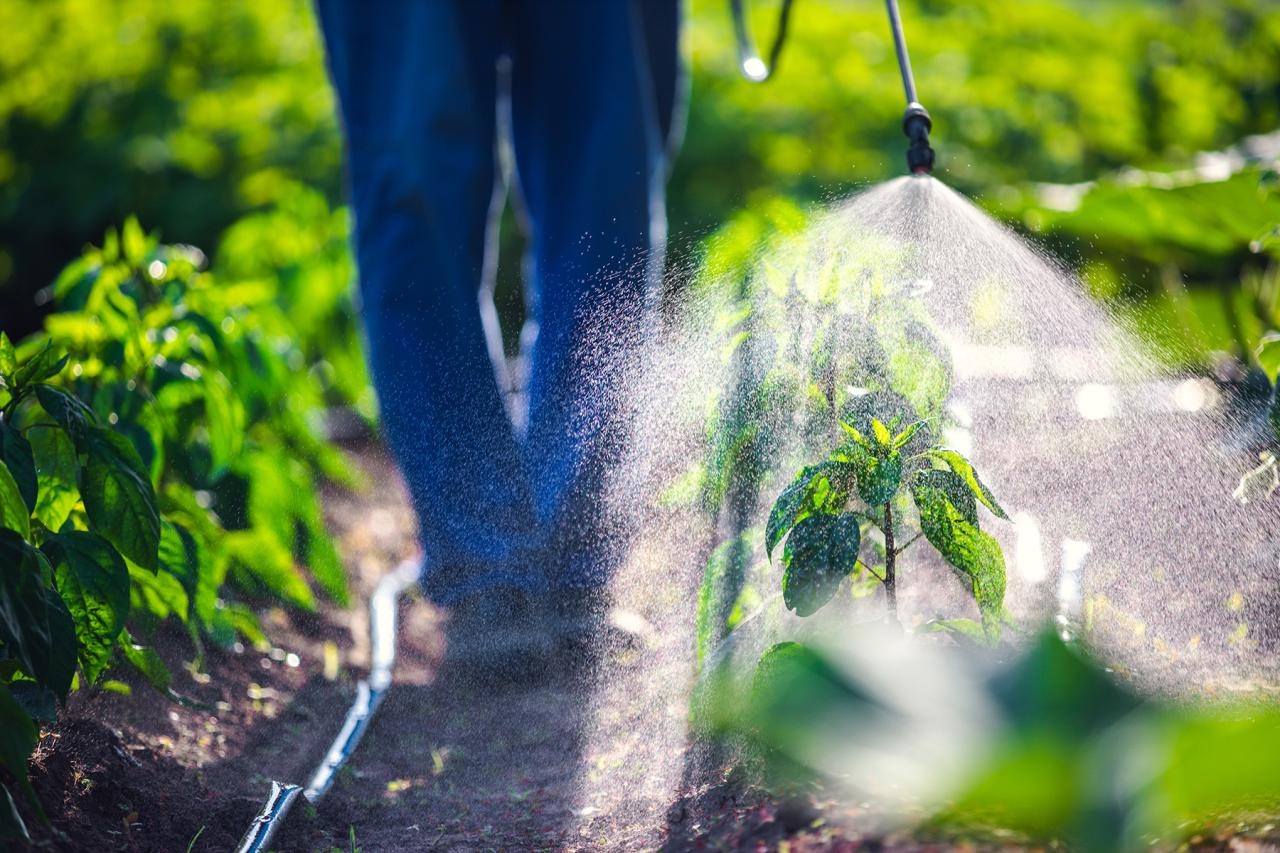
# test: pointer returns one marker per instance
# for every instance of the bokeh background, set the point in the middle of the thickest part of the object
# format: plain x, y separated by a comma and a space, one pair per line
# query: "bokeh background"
1134, 137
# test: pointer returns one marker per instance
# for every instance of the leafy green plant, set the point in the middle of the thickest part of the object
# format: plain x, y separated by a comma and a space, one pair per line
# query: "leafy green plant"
823, 329
157, 450
77, 507
823, 512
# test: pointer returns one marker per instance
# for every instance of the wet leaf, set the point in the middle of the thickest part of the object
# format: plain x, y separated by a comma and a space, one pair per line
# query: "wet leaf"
821, 551
965, 470
879, 477
976, 554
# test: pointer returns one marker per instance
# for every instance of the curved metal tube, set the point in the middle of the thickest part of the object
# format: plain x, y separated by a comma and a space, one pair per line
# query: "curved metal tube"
383, 626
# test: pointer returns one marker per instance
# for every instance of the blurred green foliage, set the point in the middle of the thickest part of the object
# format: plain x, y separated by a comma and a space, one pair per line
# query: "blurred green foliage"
186, 114
1044, 90
1070, 757
192, 115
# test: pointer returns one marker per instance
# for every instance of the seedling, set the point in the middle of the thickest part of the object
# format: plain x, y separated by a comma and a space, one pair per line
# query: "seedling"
827, 509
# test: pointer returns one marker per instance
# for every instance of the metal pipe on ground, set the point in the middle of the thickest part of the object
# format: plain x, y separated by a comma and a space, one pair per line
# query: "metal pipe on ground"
383, 629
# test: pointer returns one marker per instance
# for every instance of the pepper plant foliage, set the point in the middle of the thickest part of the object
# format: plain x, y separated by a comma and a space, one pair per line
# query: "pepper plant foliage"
827, 333
152, 447
822, 511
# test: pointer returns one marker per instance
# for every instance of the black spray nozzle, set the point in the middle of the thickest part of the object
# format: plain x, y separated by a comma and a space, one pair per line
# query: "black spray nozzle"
916, 124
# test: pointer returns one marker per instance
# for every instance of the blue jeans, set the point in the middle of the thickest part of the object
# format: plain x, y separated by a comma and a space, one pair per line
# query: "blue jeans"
591, 92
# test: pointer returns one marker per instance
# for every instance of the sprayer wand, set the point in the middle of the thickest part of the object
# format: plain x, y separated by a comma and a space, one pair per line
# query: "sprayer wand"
916, 123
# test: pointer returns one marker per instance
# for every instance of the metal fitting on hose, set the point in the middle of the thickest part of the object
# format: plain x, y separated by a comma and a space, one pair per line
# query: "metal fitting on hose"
916, 124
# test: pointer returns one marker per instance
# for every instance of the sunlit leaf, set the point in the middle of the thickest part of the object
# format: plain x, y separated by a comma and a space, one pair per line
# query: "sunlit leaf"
93, 581
14, 513
56, 473
17, 456
118, 496
965, 470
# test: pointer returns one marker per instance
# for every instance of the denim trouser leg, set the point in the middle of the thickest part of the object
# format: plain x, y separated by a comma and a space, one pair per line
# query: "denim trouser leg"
417, 87
416, 83
588, 155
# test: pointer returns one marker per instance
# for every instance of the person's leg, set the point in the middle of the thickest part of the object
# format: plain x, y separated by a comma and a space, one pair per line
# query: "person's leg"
589, 163
416, 87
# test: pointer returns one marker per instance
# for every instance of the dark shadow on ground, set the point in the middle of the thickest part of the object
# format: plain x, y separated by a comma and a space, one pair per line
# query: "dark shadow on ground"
459, 763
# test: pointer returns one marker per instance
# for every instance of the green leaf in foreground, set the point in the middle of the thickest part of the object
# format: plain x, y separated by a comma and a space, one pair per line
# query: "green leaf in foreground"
821, 551
34, 623
43, 365
118, 496
14, 514
147, 662
93, 580
8, 357
67, 410
17, 742
791, 506
17, 456
976, 554
56, 469
964, 469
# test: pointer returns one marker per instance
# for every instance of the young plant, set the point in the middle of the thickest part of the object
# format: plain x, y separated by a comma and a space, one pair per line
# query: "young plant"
827, 509
156, 448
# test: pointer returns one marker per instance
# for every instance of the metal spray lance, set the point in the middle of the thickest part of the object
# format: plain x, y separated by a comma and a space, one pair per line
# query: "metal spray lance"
916, 123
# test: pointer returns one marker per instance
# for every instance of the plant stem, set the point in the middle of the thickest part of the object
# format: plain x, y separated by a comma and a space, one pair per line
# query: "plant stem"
905, 545
890, 579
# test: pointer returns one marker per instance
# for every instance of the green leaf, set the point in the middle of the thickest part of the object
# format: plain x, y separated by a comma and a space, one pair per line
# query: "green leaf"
791, 506
57, 467
12, 827
954, 487
66, 409
134, 242
879, 477
965, 470
1267, 354
8, 357
857, 437
17, 741
93, 580
966, 629
882, 433
975, 554
118, 496
158, 594
14, 513
180, 557
722, 581
145, 660
224, 422
34, 623
43, 365
260, 556
901, 439
821, 551
16, 454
